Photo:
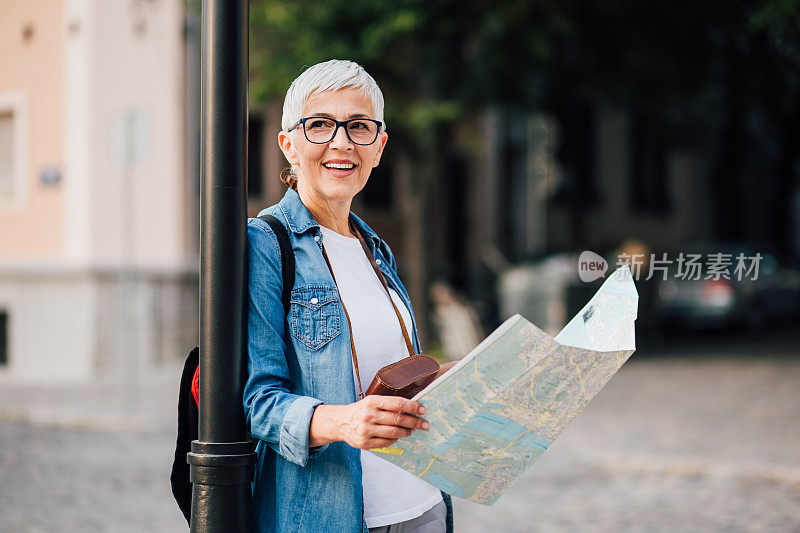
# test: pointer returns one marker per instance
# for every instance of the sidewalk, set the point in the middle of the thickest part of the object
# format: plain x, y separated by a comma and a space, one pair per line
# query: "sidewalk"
693, 441
107, 403
678, 443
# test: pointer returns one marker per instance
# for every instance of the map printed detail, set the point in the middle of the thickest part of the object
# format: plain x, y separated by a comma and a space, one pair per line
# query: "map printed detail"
495, 412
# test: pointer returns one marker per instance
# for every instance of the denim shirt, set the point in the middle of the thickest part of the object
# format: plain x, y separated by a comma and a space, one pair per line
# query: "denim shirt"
296, 487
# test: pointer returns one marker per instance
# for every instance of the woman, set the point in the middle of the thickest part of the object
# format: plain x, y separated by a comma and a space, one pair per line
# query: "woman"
303, 395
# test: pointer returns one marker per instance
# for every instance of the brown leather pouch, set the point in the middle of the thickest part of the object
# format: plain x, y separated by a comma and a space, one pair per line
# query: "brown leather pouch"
404, 378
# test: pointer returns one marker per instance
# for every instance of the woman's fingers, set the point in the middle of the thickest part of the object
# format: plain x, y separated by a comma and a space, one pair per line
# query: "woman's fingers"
370, 436
378, 421
379, 443
394, 411
390, 418
396, 403
390, 432
445, 367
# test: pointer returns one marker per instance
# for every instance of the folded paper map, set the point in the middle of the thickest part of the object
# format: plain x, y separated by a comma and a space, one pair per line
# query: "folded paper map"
496, 411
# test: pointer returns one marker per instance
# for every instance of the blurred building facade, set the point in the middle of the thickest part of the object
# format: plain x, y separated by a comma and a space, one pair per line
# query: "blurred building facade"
513, 186
520, 185
98, 187
589, 178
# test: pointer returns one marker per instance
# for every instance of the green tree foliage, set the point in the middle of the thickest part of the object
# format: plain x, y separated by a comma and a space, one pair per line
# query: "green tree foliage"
722, 75
435, 59
438, 59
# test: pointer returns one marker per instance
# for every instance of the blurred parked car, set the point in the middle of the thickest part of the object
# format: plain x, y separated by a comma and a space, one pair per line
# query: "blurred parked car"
539, 290
548, 291
705, 298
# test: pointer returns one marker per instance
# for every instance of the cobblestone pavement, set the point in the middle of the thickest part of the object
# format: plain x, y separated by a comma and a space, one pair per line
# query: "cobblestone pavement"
669, 445
702, 437
59, 480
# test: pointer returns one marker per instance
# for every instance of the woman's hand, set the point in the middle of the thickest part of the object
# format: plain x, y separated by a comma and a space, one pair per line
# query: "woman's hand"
445, 367
374, 422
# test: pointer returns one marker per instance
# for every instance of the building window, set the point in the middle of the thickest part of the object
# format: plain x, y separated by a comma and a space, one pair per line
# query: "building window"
255, 157
12, 151
3, 338
378, 191
649, 190
7, 156
576, 155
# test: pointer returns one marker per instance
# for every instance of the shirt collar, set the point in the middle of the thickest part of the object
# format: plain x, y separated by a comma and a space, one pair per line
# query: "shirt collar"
299, 218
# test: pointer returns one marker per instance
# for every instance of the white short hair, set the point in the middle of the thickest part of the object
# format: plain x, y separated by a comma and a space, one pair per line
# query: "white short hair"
330, 76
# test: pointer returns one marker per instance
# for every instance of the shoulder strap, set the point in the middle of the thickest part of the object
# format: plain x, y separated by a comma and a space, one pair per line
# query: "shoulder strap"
380, 276
287, 257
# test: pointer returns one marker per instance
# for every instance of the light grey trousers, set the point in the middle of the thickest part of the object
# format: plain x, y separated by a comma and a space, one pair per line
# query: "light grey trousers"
431, 521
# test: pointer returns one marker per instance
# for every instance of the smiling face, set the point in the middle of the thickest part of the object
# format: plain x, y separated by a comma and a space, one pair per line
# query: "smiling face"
330, 175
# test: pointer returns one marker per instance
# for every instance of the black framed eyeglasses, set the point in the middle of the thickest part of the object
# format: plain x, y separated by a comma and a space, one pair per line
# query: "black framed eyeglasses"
322, 130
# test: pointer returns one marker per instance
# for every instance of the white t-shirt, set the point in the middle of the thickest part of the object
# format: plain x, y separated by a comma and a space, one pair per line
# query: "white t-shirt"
391, 494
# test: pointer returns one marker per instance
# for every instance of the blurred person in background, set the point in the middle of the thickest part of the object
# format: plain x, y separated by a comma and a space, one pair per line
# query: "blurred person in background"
637, 255
303, 398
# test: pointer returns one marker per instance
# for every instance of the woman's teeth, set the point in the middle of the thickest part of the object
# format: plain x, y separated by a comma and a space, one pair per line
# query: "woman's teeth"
339, 166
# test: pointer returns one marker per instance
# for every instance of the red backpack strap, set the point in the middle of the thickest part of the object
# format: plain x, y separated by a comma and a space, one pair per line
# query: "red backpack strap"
196, 386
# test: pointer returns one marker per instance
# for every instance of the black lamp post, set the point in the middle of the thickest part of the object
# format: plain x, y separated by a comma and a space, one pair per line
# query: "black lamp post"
221, 460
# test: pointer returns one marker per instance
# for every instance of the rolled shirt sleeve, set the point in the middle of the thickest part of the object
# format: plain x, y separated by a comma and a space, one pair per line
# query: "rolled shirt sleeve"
293, 442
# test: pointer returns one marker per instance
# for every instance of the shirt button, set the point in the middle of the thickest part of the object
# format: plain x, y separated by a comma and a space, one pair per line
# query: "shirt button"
316, 238
378, 261
314, 300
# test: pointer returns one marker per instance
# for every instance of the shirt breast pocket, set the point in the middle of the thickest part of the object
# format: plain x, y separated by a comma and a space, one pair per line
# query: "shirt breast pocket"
314, 316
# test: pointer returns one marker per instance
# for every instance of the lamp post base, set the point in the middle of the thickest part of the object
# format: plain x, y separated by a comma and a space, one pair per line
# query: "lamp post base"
221, 474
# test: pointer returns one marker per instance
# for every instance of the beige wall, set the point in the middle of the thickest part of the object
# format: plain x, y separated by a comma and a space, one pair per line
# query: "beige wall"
138, 212
52, 326
612, 220
31, 72
87, 66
